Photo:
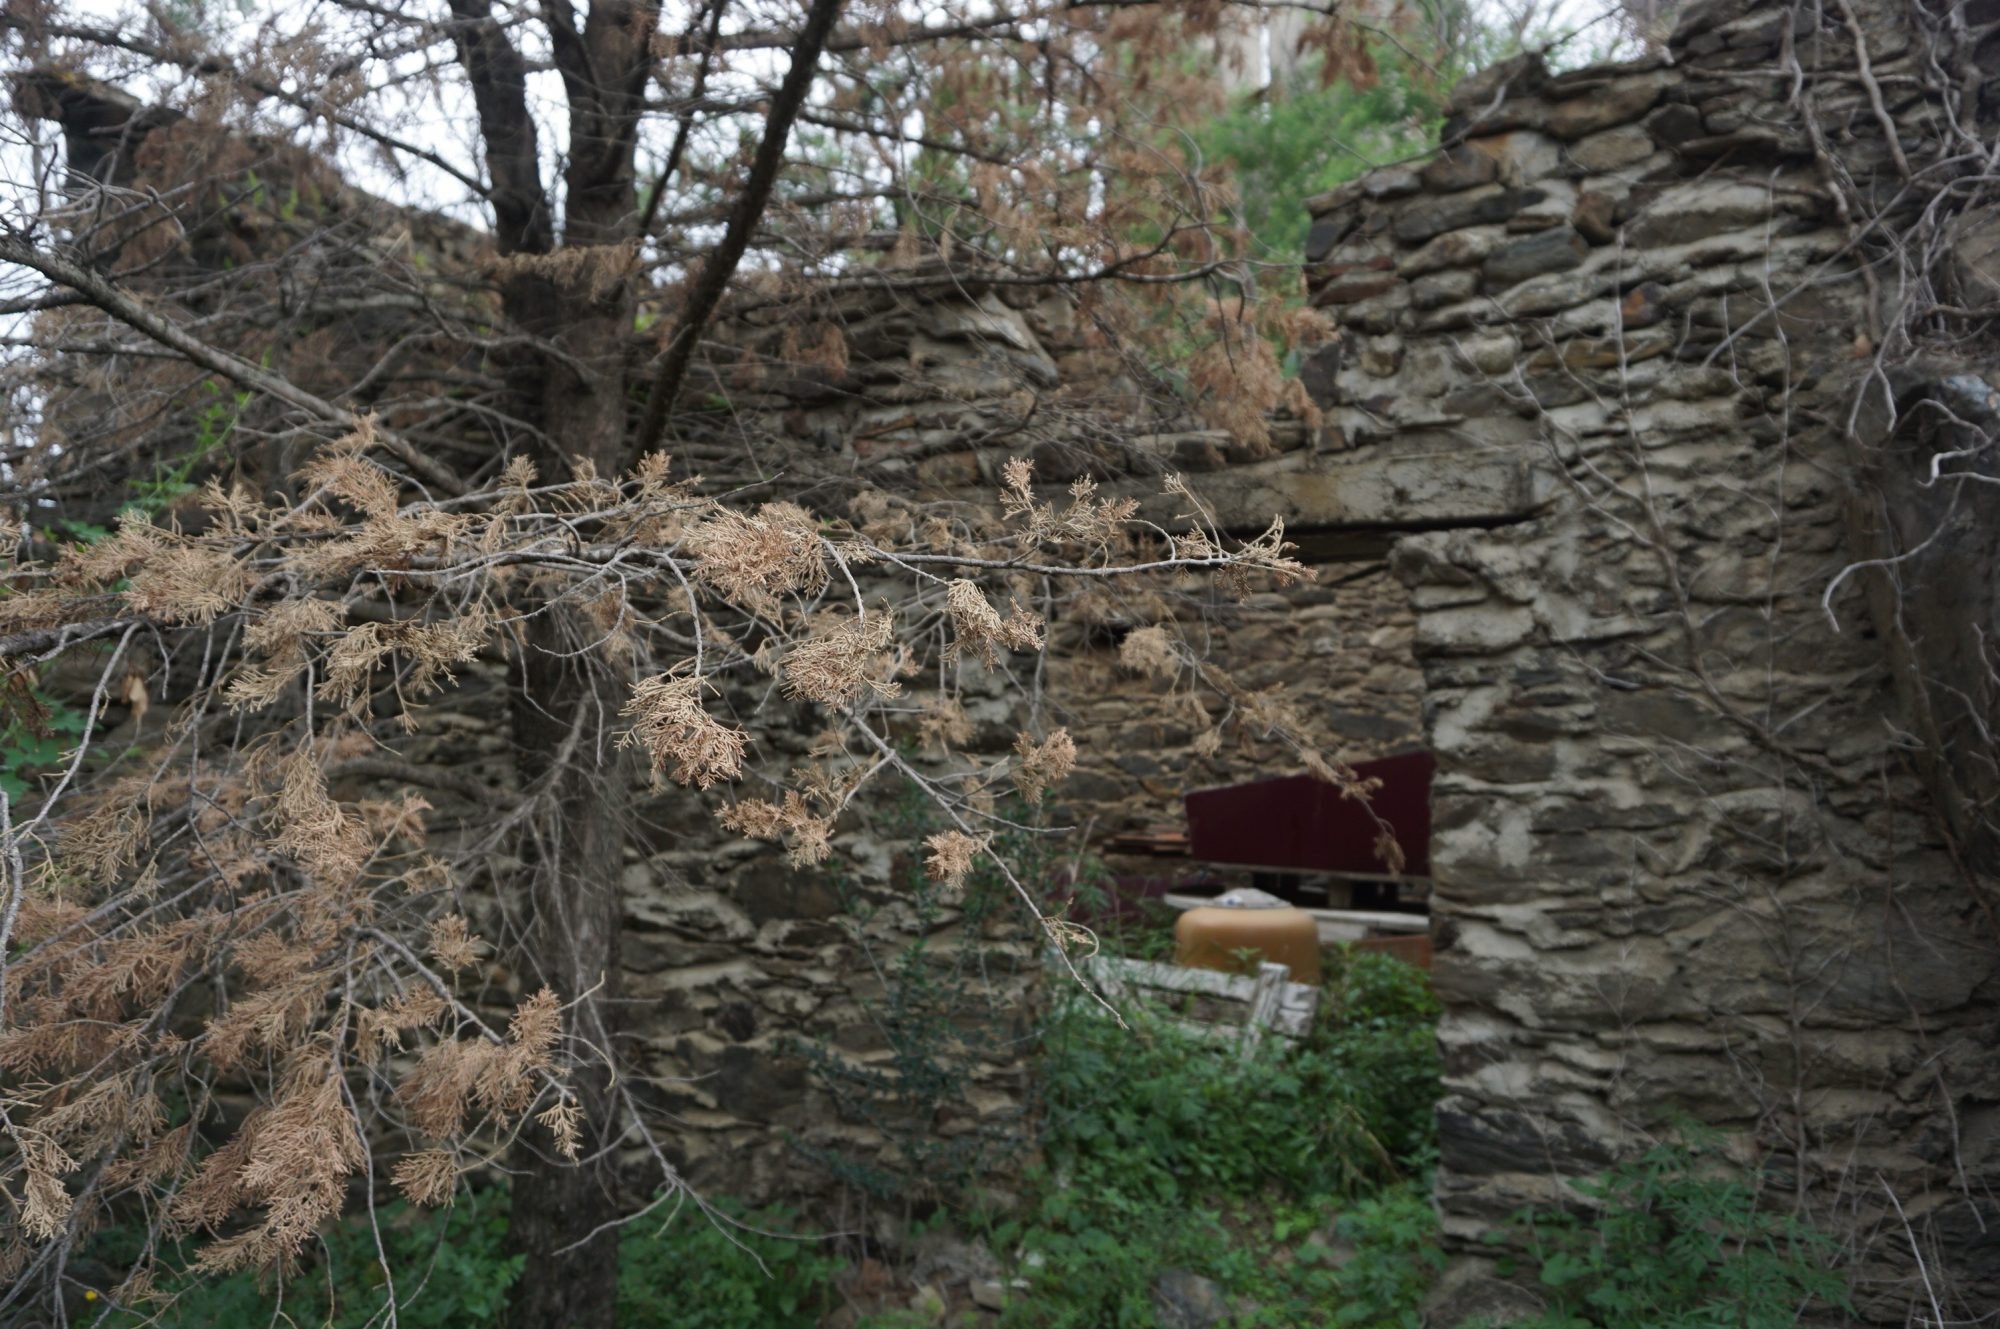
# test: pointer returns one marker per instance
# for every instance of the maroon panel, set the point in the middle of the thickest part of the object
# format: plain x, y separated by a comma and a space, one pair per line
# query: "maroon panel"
1303, 824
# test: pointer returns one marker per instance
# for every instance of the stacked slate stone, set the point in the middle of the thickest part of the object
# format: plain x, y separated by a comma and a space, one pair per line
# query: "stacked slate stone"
940, 379
1338, 647
1601, 355
801, 1029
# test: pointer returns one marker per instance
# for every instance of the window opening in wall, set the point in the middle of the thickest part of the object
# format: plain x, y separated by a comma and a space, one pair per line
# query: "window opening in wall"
1299, 839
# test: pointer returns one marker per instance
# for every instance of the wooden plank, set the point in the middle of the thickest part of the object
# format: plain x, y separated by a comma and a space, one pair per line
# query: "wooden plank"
1209, 1033
1272, 979
1205, 982
1175, 977
1293, 1025
1270, 1002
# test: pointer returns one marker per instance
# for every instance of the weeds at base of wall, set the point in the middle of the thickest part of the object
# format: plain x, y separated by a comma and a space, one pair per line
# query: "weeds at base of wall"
1675, 1239
1291, 1185
450, 1269
1168, 1154
1169, 1168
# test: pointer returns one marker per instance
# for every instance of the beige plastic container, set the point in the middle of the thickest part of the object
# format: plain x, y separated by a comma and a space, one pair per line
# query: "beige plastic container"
1234, 940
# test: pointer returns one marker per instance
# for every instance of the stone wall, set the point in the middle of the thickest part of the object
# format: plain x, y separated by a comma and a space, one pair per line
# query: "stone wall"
1686, 858
1581, 484
1582, 426
1339, 646
792, 1021
751, 974
922, 381
816, 1037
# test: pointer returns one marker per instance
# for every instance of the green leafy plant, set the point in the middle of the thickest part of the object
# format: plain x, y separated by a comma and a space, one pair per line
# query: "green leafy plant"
1088, 1274
1678, 1238
1288, 144
1377, 1031
214, 424
1268, 1174
1145, 933
33, 736
1163, 1112
446, 1268
1393, 1255
1153, 1115
1285, 1265
450, 1269
729, 1270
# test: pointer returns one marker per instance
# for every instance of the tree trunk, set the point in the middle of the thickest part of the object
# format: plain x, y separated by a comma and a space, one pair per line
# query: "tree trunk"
565, 709
565, 721
565, 728
564, 737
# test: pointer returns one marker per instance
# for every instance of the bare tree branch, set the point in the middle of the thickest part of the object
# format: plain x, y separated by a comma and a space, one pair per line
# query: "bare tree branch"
720, 266
106, 295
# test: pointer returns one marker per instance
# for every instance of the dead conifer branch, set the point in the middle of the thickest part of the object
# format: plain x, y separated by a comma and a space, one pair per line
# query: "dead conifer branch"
349, 561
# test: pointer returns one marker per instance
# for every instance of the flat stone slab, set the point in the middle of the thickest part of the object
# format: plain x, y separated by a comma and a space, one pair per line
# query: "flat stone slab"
1364, 488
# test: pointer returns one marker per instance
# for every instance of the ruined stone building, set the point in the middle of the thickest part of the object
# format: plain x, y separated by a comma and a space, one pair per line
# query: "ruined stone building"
1652, 492
1681, 500
1706, 827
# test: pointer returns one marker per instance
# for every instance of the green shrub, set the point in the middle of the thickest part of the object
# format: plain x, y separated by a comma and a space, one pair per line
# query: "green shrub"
1092, 1271
722, 1272
451, 1271
1285, 145
1163, 1150
1392, 1259
1283, 1266
35, 731
1152, 1114
1679, 1239
1377, 1033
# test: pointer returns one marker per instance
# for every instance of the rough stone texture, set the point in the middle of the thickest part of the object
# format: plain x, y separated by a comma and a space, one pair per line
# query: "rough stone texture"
1686, 862
749, 972
750, 976
1459, 168
1695, 850
1184, 1300
747, 982
740, 960
1556, 250
1340, 647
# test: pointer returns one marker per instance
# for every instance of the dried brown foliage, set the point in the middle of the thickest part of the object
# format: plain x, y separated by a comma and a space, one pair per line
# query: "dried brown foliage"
328, 917
257, 887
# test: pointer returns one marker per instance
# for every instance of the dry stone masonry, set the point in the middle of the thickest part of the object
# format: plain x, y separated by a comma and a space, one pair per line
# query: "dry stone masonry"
1691, 844
1622, 514
1700, 842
